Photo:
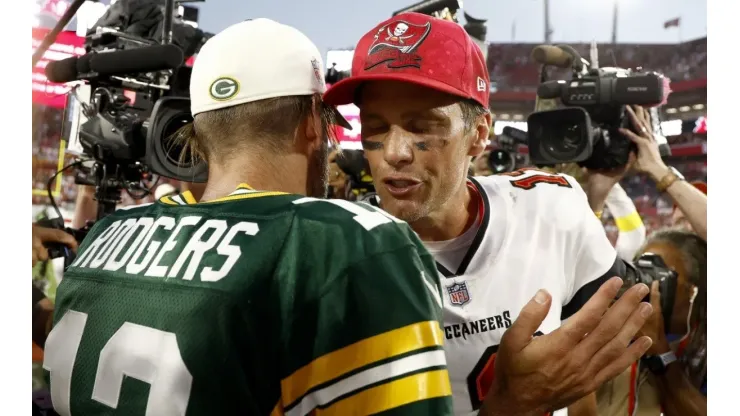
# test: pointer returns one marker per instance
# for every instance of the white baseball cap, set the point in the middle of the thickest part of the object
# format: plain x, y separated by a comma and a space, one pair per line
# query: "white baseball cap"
255, 60
164, 190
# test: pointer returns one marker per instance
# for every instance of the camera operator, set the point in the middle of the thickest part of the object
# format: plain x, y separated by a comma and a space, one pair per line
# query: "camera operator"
42, 306
672, 378
690, 200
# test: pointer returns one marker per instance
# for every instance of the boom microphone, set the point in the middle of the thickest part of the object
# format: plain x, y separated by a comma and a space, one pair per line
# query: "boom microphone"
552, 55
130, 61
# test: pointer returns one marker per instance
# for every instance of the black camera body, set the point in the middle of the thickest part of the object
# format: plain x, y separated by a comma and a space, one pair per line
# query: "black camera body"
648, 268
585, 127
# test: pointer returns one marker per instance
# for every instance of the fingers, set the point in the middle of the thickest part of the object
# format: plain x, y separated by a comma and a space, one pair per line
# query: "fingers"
655, 295
636, 350
614, 348
585, 320
40, 253
638, 122
615, 320
52, 235
638, 140
526, 324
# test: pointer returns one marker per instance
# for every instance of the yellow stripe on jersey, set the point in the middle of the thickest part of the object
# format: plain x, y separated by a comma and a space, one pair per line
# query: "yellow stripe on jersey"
246, 196
168, 200
188, 197
629, 222
244, 186
360, 354
388, 396
278, 410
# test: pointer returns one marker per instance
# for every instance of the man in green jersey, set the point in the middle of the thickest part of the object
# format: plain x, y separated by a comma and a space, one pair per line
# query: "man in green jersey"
258, 299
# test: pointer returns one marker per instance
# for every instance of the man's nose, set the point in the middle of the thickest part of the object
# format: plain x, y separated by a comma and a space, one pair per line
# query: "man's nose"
398, 149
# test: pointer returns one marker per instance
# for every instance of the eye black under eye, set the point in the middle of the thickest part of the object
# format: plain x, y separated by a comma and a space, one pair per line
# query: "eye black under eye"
422, 145
368, 145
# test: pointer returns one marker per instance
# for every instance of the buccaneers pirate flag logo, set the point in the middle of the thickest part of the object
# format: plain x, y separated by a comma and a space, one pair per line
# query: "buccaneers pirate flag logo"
395, 44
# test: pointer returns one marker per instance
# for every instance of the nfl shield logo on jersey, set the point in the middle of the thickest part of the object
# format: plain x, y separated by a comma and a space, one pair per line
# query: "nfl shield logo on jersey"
458, 293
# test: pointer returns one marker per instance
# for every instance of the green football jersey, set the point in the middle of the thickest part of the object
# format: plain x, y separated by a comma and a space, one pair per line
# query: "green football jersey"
259, 303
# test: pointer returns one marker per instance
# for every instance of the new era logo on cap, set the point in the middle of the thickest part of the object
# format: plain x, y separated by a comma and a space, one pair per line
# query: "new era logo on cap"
418, 49
482, 84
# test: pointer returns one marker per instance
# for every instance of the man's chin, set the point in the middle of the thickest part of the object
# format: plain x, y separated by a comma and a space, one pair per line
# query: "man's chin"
403, 209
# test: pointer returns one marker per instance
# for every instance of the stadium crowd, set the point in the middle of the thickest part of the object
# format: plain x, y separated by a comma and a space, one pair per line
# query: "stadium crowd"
512, 68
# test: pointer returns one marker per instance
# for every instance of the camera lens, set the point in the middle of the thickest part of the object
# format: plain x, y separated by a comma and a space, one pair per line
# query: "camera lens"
565, 141
500, 161
174, 144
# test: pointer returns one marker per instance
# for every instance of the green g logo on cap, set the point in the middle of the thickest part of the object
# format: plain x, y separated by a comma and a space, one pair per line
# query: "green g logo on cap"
224, 88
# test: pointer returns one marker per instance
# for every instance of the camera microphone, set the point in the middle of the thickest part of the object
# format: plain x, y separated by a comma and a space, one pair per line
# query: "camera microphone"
552, 55
92, 65
561, 56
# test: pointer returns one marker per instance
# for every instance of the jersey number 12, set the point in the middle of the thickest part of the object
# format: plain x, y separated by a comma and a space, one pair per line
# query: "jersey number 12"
136, 351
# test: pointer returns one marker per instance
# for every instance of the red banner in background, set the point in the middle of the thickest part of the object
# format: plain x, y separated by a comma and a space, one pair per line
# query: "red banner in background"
67, 44
350, 139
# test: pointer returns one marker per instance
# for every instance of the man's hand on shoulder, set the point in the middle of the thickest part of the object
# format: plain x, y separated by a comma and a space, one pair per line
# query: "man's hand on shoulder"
534, 375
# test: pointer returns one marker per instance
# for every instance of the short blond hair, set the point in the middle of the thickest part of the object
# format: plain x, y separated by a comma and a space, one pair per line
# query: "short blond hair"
268, 124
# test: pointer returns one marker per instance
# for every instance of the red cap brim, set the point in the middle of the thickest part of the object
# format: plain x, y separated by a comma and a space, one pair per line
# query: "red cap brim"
343, 92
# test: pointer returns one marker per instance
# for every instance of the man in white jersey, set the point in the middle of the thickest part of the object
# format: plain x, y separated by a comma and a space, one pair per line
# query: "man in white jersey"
422, 87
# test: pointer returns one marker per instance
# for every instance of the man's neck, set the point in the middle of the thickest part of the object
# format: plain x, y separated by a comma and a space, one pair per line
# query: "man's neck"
260, 172
451, 221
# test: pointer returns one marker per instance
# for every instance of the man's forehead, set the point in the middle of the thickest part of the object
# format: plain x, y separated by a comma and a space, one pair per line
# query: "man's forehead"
385, 96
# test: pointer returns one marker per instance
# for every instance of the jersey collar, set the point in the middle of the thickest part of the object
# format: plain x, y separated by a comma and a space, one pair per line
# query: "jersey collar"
484, 217
243, 191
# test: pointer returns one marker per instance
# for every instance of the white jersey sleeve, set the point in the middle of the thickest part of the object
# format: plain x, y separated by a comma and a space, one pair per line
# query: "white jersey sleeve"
590, 258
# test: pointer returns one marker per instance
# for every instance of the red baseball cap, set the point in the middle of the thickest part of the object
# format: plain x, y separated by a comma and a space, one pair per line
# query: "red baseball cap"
418, 49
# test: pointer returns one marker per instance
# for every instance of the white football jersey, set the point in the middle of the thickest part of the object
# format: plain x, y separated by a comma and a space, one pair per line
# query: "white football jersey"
536, 231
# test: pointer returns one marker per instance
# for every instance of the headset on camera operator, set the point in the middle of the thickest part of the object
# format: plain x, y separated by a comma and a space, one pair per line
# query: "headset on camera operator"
672, 378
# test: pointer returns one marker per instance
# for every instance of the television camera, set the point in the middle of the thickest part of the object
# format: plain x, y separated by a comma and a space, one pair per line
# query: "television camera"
130, 97
578, 120
506, 157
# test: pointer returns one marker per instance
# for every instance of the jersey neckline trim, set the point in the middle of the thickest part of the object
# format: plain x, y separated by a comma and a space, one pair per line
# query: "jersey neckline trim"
485, 218
243, 191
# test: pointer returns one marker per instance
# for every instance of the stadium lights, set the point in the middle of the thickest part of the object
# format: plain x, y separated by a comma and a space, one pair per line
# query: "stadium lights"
684, 108
670, 111
698, 106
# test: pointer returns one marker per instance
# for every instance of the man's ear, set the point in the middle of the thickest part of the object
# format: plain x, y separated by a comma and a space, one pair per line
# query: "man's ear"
312, 124
480, 133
